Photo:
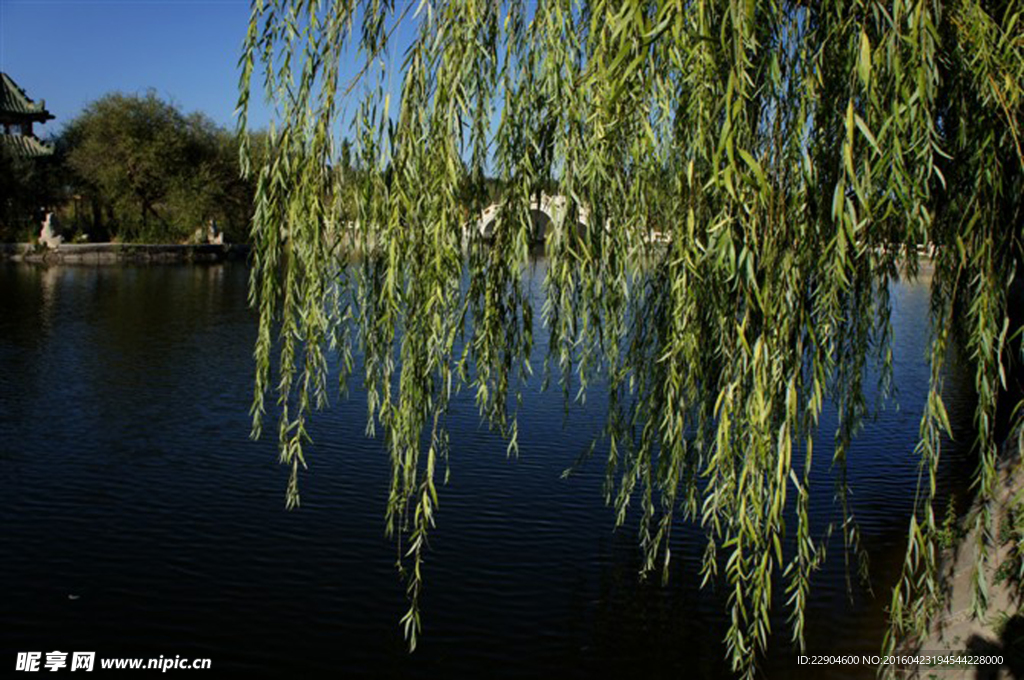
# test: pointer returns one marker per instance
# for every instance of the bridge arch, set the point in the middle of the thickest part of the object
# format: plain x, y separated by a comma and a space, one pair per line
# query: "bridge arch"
544, 215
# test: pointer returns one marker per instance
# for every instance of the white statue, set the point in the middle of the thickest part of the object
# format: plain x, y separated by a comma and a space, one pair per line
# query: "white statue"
49, 235
214, 235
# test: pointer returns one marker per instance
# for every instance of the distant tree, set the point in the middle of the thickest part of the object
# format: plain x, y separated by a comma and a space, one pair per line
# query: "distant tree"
154, 173
129, 149
211, 186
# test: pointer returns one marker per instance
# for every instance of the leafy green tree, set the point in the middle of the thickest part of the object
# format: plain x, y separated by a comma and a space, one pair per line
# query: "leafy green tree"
155, 173
794, 155
130, 148
211, 185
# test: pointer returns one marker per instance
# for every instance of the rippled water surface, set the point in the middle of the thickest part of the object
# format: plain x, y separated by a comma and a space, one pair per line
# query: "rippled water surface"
128, 481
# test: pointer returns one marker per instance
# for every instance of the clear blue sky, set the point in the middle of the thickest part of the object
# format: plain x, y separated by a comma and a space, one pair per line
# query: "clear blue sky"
71, 52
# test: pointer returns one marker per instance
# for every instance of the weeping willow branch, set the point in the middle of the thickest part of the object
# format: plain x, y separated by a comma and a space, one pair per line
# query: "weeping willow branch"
738, 185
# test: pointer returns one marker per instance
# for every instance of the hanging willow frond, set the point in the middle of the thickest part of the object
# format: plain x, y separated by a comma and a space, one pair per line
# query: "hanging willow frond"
736, 185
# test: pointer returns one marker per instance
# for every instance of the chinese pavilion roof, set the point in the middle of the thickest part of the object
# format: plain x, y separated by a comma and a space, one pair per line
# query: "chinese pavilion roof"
16, 107
24, 146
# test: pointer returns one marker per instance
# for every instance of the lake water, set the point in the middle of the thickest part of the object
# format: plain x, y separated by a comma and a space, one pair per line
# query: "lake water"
139, 520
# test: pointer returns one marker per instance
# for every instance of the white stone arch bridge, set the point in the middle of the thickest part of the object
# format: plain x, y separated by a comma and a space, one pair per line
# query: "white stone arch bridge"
545, 213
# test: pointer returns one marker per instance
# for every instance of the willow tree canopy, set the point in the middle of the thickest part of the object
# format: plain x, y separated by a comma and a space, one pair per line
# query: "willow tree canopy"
794, 155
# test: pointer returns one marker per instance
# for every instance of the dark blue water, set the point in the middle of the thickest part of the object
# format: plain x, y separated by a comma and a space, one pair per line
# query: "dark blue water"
128, 483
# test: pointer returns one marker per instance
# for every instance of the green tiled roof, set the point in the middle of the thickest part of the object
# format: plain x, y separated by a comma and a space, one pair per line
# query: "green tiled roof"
24, 146
13, 100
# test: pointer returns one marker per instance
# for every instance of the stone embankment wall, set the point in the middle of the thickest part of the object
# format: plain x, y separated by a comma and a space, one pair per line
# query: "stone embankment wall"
116, 253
